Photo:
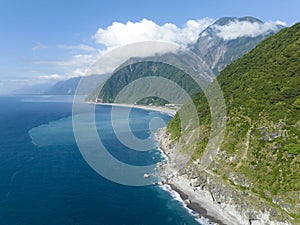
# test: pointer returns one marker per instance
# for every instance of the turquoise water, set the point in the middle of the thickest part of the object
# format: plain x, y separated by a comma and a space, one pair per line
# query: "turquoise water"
45, 180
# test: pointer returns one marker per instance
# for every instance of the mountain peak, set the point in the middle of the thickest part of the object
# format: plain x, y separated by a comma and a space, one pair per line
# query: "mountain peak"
226, 20
229, 38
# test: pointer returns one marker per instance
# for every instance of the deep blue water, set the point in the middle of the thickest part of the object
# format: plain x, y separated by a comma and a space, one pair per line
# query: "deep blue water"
45, 180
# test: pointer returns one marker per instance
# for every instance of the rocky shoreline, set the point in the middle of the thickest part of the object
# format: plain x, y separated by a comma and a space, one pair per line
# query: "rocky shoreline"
208, 195
195, 207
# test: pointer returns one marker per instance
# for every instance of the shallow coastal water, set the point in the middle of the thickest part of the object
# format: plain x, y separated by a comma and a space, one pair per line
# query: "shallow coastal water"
45, 180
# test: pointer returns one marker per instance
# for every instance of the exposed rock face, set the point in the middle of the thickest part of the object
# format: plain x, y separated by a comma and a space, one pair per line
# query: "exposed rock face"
257, 163
233, 204
217, 52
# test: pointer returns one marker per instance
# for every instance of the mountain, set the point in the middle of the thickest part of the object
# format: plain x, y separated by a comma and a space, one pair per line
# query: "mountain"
37, 89
122, 77
218, 52
213, 49
68, 87
259, 158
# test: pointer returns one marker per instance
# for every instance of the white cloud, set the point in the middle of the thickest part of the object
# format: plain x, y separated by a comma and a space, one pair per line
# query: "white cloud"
135, 39
52, 77
281, 23
123, 34
77, 60
77, 65
119, 34
80, 72
77, 47
238, 29
112, 58
39, 46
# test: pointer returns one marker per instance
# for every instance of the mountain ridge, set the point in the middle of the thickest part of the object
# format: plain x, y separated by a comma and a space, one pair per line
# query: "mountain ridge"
260, 153
215, 52
69, 86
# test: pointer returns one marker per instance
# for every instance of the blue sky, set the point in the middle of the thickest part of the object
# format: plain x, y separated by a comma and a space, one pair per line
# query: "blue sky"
36, 32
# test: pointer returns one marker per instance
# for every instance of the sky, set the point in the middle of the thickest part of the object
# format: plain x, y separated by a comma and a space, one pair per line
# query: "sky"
51, 40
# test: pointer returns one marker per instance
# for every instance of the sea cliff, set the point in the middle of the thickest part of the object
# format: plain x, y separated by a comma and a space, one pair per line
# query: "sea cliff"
211, 196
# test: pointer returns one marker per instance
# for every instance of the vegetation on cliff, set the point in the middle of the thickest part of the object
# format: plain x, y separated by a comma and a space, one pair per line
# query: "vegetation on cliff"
261, 149
214, 50
124, 76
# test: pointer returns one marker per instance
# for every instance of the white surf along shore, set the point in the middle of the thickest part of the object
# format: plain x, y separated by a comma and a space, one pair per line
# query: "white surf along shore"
207, 194
209, 206
193, 196
200, 203
179, 188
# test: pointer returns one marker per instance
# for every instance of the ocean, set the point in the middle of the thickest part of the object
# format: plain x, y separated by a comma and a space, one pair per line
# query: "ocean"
45, 180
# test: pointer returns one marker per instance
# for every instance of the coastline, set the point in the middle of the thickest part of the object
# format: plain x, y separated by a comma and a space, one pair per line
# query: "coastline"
201, 204
193, 197
192, 209
196, 209
196, 205
207, 194
161, 109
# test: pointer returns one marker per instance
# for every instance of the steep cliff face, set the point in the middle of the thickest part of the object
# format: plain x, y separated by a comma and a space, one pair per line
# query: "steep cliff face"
123, 77
220, 199
219, 52
260, 153
216, 51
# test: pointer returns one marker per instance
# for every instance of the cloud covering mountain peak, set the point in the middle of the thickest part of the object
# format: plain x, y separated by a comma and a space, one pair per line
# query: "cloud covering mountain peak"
243, 28
119, 34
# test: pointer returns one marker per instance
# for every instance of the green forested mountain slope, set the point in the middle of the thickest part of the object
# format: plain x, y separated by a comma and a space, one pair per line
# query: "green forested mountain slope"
261, 149
216, 52
124, 76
